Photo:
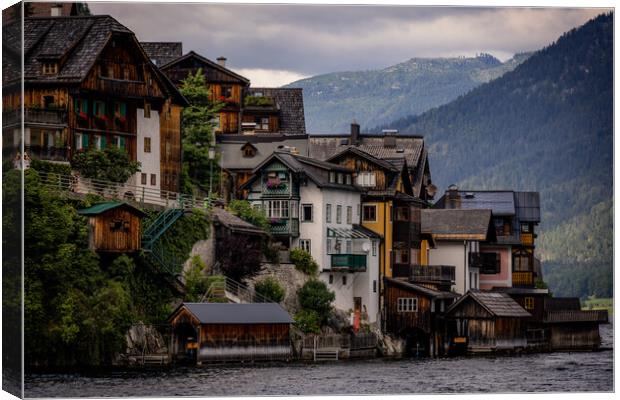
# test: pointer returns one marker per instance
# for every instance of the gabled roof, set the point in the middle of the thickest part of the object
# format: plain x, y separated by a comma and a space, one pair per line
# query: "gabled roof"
233, 222
456, 224
110, 205
290, 103
162, 53
365, 155
237, 313
497, 304
431, 293
211, 64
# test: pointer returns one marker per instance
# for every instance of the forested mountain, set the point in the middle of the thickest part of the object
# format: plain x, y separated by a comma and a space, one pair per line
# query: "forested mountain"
375, 97
546, 126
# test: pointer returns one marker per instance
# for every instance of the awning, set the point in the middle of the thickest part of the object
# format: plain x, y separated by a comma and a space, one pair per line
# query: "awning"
357, 232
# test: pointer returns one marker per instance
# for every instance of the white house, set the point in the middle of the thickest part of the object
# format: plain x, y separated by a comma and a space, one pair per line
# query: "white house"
457, 234
148, 149
314, 205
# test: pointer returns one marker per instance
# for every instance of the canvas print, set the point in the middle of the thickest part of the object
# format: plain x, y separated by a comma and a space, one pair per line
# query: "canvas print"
250, 199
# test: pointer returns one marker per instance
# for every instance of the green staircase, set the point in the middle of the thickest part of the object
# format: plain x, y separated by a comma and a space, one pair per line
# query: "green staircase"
154, 252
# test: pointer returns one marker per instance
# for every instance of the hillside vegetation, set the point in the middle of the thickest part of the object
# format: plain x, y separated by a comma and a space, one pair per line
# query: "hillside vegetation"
545, 126
332, 101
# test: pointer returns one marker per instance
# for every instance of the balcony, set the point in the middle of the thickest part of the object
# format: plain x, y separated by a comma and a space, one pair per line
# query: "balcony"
56, 117
425, 273
488, 263
282, 188
47, 153
125, 88
522, 279
527, 239
348, 262
285, 227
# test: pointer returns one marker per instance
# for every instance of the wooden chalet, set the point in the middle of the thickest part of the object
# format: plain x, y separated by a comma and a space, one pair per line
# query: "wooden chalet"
414, 311
89, 84
216, 332
114, 227
486, 322
224, 85
567, 327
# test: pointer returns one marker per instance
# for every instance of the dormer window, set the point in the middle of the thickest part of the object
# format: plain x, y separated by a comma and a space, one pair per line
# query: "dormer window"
50, 68
248, 150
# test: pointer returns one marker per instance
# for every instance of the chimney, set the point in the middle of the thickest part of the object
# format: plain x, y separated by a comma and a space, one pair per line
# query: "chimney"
221, 61
453, 197
355, 133
389, 137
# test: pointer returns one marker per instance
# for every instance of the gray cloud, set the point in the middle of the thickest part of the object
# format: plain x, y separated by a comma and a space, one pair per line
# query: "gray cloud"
308, 39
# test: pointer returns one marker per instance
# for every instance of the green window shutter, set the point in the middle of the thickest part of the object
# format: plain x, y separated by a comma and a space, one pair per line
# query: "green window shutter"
84, 141
104, 143
76, 105
122, 143
123, 109
102, 108
84, 106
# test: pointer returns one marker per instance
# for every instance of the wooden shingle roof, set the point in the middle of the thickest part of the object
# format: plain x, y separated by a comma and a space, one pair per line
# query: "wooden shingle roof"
456, 224
290, 103
237, 313
162, 52
497, 304
234, 223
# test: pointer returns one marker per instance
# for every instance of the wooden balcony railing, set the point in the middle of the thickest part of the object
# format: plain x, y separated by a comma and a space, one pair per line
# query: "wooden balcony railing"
522, 278
527, 239
285, 227
35, 116
599, 316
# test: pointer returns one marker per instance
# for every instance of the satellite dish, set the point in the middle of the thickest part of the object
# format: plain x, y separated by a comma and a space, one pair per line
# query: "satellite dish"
366, 247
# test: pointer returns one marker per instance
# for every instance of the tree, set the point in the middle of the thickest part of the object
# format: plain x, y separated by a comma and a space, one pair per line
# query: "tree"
315, 296
197, 134
112, 164
270, 288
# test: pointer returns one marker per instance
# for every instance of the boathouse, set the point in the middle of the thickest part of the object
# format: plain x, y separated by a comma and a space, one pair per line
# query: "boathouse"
113, 227
569, 327
487, 322
217, 332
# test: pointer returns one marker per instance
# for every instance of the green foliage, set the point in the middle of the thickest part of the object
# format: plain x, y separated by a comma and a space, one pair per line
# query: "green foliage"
258, 101
197, 133
315, 296
271, 251
307, 321
195, 280
112, 164
270, 288
179, 239
50, 167
579, 279
304, 262
244, 210
375, 97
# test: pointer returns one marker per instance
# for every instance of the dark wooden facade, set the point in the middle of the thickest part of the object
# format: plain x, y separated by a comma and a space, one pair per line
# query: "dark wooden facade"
257, 331
114, 227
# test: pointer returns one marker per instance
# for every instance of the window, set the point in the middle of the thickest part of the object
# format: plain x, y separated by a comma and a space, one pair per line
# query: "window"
370, 213
374, 247
332, 177
374, 286
305, 244
348, 179
147, 144
227, 92
349, 247
331, 279
340, 178
402, 213
50, 68
56, 11
143, 179
278, 209
216, 123
329, 246
529, 303
349, 215
249, 151
328, 213
147, 109
401, 256
306, 213
359, 208
525, 228
294, 209
521, 261
118, 141
98, 108
262, 123
153, 179
366, 179
407, 304
338, 214
344, 279
48, 101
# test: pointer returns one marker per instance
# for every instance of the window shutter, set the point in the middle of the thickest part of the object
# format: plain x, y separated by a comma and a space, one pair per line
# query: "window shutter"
103, 142
123, 109
122, 142
84, 141
84, 106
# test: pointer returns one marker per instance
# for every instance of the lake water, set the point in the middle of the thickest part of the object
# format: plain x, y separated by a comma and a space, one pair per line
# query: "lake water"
551, 372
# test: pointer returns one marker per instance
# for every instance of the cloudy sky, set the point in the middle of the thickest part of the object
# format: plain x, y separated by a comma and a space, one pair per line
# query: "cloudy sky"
276, 44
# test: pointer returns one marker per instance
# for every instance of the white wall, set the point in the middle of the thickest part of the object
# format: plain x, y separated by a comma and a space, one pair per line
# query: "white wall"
148, 127
456, 253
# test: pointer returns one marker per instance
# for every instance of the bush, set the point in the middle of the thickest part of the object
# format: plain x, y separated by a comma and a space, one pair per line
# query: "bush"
315, 296
307, 321
304, 262
111, 164
244, 210
50, 167
270, 288
195, 281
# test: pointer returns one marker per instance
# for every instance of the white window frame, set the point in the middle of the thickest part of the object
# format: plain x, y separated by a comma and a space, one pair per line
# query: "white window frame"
374, 247
407, 304
367, 179
311, 212
349, 215
328, 213
339, 214
305, 244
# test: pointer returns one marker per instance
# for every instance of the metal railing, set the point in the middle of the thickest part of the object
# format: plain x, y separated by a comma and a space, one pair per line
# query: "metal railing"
432, 273
285, 227
227, 287
350, 262
123, 191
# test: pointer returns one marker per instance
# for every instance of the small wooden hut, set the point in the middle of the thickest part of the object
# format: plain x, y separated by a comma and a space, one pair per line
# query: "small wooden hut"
114, 227
215, 332
571, 328
487, 322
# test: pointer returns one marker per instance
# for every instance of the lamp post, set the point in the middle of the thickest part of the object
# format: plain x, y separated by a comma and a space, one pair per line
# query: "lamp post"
211, 158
